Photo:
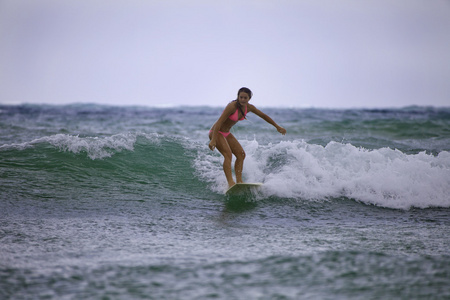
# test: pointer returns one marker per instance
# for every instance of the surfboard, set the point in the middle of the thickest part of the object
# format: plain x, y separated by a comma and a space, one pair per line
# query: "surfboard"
240, 188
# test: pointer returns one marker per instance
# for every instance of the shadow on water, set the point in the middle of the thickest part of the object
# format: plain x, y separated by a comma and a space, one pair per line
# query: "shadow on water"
240, 203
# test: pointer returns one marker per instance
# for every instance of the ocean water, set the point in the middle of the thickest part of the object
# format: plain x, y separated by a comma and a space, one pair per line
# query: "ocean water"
100, 202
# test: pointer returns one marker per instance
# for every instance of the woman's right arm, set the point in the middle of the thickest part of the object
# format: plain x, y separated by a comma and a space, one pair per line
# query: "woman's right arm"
229, 109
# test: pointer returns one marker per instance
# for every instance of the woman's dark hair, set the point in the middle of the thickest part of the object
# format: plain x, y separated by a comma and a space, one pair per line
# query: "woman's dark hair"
243, 90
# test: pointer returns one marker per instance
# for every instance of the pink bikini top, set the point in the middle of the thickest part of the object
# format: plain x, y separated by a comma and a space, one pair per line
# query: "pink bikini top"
234, 117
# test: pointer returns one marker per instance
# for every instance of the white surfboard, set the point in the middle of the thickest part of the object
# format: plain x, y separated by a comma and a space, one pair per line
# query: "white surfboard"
240, 188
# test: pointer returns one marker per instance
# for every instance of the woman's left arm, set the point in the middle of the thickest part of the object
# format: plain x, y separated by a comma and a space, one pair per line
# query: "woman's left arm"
266, 118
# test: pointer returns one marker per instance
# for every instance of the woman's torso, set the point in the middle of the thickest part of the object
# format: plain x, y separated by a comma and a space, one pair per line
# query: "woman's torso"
232, 119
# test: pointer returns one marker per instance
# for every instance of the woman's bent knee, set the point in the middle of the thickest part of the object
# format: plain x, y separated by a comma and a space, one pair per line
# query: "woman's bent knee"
227, 159
241, 155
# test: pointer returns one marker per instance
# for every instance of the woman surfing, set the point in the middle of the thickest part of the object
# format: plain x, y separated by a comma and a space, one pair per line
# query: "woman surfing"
222, 139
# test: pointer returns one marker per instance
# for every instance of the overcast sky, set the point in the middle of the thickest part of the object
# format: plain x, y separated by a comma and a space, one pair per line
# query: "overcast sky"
297, 53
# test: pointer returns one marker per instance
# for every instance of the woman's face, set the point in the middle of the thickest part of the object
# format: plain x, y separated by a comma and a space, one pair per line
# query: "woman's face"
243, 98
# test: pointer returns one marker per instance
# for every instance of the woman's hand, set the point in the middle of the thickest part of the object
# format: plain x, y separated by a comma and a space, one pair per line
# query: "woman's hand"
212, 145
281, 130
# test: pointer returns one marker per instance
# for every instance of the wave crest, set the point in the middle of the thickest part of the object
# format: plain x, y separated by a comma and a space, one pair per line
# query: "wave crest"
94, 147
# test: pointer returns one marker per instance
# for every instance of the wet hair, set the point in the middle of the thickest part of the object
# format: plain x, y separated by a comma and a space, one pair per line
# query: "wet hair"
243, 90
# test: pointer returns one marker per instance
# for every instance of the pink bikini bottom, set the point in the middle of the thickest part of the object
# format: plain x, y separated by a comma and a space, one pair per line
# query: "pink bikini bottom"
225, 134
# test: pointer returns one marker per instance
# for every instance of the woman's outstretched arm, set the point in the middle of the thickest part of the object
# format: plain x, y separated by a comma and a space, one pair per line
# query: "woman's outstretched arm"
266, 118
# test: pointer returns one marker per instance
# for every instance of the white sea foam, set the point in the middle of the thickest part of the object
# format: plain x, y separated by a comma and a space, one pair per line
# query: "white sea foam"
383, 177
94, 147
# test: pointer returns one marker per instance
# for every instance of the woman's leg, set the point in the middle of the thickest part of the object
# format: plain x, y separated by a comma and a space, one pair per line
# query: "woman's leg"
224, 149
239, 152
